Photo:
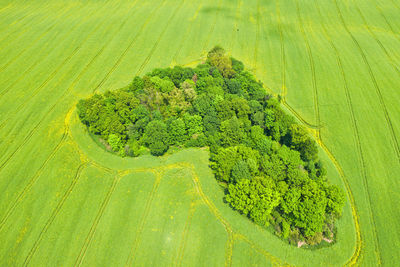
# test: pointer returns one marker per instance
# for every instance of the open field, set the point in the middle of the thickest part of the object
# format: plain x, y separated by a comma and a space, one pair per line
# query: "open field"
64, 201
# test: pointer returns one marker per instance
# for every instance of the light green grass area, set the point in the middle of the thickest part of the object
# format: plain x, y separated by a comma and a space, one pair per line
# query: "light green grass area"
65, 201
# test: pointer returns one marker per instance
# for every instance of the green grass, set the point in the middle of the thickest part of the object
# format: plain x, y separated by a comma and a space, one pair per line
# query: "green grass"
65, 201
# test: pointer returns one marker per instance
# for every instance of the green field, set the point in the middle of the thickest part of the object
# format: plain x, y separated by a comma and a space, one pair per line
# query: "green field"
64, 201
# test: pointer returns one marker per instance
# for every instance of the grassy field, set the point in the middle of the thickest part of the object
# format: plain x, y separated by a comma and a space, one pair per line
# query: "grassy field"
64, 201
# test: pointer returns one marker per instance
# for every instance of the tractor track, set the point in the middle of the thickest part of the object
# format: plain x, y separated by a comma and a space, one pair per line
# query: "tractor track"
312, 65
129, 46
132, 257
54, 214
34, 129
147, 59
395, 144
208, 39
257, 43
186, 229
93, 227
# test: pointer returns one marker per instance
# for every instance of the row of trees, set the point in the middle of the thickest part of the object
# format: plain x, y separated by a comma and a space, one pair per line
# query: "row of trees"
265, 160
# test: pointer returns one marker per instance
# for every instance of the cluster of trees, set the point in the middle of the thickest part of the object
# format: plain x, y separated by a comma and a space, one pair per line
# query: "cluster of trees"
266, 161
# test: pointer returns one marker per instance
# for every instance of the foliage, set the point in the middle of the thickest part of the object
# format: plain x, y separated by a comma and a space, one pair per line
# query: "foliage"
268, 163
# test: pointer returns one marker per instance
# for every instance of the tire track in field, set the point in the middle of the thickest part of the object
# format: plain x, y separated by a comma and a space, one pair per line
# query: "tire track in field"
395, 35
395, 144
39, 172
235, 26
129, 46
312, 65
231, 234
187, 34
38, 89
360, 153
257, 44
132, 257
283, 70
274, 260
55, 72
38, 61
147, 59
92, 231
34, 129
283, 53
359, 241
212, 26
31, 44
24, 26
54, 214
392, 61
395, 4
186, 229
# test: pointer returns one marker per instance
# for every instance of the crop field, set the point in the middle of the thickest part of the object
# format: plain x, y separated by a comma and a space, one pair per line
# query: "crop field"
64, 201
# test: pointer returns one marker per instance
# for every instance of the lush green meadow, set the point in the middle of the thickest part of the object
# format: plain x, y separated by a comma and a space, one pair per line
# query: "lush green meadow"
64, 201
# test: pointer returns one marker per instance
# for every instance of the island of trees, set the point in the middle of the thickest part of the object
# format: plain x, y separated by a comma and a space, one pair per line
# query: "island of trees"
266, 162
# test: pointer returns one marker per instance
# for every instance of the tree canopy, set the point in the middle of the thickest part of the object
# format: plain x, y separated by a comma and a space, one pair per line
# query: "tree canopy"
267, 162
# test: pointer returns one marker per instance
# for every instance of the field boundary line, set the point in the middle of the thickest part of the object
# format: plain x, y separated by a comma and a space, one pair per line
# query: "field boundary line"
93, 227
132, 257
144, 25
186, 229
54, 213
147, 59
395, 144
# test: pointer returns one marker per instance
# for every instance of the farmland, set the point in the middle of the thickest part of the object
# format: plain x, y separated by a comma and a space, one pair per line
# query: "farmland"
65, 201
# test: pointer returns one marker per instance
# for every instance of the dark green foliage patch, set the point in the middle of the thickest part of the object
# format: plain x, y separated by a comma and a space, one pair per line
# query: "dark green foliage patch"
267, 162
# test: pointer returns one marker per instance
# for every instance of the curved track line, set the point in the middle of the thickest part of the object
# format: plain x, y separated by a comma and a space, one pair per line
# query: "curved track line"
312, 65
92, 231
147, 59
393, 32
395, 144
132, 257
129, 46
229, 249
354, 125
54, 214
392, 61
283, 70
